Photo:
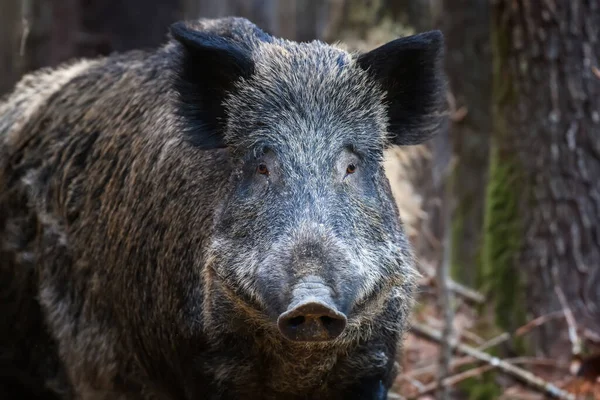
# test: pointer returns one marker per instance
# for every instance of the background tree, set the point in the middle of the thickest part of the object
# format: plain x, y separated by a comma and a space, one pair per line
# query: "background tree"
10, 33
466, 27
542, 238
38, 34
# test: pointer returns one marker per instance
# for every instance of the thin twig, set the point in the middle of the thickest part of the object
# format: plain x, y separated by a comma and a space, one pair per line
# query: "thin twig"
460, 114
572, 325
466, 292
456, 114
542, 319
472, 337
591, 335
416, 383
453, 380
394, 396
547, 362
456, 287
430, 237
429, 368
494, 341
458, 362
503, 366
511, 395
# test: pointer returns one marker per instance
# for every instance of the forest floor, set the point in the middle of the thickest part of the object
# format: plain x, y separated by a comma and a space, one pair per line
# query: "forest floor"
474, 370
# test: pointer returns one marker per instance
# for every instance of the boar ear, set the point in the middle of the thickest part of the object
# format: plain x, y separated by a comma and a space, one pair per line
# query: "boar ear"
410, 70
209, 67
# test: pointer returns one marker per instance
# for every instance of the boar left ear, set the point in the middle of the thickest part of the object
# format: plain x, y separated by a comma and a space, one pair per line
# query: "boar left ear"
410, 71
210, 66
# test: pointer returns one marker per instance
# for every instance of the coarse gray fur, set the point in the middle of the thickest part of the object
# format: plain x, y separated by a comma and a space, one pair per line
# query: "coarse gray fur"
143, 257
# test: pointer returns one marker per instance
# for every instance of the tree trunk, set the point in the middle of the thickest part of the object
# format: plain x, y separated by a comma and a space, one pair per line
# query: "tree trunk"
60, 30
35, 34
11, 31
115, 25
543, 198
466, 29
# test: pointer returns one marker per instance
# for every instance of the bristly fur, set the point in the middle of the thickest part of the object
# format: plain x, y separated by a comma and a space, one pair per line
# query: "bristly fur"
143, 257
311, 86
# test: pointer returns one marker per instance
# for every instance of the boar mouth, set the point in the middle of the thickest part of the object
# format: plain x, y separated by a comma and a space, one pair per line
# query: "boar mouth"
240, 299
374, 300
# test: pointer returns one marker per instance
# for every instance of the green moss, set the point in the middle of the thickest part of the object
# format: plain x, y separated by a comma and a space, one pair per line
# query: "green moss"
457, 233
482, 387
503, 233
502, 238
456, 267
463, 267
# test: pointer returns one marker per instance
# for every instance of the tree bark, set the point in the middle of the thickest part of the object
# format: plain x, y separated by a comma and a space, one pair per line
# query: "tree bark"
61, 30
11, 32
466, 28
543, 197
115, 25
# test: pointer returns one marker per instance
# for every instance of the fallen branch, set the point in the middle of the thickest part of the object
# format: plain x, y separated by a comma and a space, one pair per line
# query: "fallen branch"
546, 362
394, 396
415, 382
430, 368
542, 319
455, 287
453, 380
591, 335
502, 365
459, 362
503, 337
494, 341
472, 337
514, 394
466, 292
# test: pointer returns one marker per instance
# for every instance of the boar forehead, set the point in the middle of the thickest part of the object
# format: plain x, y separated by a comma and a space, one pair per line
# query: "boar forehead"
306, 96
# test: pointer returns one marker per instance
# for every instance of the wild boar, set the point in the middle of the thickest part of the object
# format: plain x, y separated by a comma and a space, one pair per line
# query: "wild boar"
210, 219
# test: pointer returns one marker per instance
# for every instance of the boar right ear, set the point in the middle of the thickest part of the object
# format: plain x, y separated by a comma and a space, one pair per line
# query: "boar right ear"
410, 70
208, 70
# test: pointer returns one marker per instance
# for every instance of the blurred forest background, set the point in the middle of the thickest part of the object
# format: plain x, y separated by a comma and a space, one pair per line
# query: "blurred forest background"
503, 208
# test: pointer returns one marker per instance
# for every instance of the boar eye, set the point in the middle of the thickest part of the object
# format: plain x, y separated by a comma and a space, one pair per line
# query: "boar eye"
262, 169
351, 168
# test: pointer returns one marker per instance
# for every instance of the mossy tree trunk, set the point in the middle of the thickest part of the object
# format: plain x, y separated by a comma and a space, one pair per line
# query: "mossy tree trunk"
466, 28
542, 222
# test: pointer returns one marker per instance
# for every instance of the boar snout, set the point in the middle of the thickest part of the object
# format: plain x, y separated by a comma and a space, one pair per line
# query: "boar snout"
312, 314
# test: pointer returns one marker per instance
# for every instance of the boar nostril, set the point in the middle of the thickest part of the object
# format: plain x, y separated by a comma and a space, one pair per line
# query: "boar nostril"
310, 322
296, 321
327, 321
334, 326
